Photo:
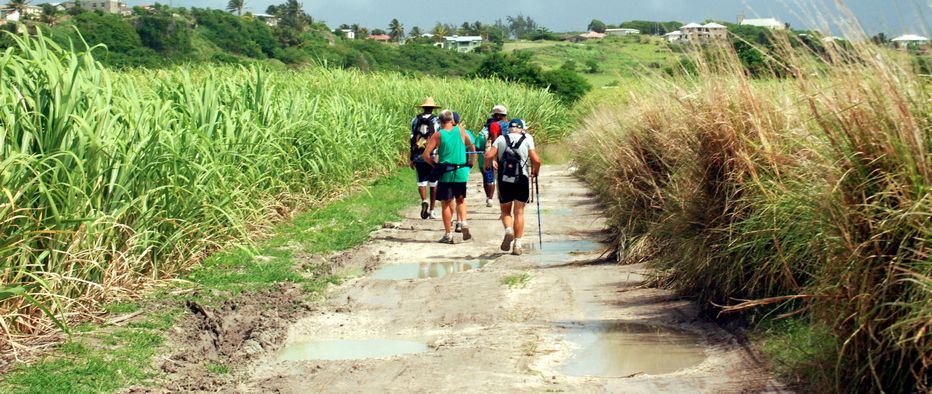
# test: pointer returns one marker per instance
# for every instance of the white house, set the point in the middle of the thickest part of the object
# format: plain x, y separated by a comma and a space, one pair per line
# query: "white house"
350, 34
828, 39
674, 36
462, 43
770, 23
270, 20
908, 40
622, 32
108, 6
696, 33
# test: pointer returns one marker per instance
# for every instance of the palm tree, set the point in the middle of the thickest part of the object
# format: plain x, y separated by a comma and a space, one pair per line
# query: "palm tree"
396, 30
49, 14
440, 31
415, 32
237, 6
20, 6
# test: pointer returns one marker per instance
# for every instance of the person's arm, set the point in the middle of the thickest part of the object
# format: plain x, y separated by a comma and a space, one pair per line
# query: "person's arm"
535, 163
491, 152
432, 144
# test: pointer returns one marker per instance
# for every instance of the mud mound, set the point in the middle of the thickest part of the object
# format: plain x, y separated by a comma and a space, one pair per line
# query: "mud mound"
230, 335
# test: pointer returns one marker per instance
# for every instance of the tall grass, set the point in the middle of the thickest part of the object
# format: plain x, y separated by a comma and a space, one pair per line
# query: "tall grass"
113, 179
808, 195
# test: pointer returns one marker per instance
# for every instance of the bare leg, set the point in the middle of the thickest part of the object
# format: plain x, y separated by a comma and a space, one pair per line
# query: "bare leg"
519, 219
507, 220
433, 197
461, 209
423, 191
447, 206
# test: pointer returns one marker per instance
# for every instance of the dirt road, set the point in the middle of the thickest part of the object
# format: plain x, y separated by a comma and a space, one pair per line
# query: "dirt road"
474, 319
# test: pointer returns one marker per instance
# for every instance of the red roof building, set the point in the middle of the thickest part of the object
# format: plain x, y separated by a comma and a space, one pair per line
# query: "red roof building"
380, 37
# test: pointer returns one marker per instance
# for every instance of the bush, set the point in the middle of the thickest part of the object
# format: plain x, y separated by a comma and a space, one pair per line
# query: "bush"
786, 194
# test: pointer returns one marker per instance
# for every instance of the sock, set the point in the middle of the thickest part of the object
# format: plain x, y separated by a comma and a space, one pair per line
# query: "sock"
518, 241
463, 223
423, 201
449, 235
509, 230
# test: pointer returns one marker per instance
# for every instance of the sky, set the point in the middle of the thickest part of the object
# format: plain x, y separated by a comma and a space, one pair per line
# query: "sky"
891, 16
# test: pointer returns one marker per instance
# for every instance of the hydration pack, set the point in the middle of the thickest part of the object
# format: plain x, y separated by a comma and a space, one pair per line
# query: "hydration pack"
423, 128
510, 166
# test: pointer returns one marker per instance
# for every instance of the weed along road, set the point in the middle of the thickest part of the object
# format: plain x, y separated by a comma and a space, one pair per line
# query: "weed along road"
424, 317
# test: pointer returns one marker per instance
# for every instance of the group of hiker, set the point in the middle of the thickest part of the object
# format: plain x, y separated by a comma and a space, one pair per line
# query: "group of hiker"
443, 152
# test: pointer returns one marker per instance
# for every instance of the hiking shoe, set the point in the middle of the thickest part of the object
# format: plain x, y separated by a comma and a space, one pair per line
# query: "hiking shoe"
424, 214
447, 239
517, 249
488, 203
434, 215
506, 243
458, 228
465, 230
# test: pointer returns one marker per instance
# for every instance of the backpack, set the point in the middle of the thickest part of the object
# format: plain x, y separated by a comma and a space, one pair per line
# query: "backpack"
423, 128
510, 166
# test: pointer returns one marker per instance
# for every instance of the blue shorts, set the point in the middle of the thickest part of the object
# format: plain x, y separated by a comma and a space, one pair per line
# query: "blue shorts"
488, 176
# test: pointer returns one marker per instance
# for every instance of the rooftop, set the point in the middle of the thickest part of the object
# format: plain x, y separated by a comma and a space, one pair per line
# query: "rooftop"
910, 37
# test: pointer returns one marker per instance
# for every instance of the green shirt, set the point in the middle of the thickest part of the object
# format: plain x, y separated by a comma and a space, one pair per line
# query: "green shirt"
453, 151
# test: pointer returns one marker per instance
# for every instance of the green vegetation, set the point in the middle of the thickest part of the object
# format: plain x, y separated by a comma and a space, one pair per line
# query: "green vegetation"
616, 59
807, 194
114, 178
104, 359
517, 281
564, 83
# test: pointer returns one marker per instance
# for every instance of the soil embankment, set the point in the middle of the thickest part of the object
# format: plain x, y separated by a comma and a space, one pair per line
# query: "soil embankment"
474, 319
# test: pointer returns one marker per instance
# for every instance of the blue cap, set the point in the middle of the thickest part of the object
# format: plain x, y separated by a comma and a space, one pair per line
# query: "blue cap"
456, 117
516, 123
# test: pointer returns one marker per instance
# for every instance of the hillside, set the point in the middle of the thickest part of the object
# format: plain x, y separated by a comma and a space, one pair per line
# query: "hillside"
615, 58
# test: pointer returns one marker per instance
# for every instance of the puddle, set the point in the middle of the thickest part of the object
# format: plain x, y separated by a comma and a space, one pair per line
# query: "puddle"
345, 349
558, 252
424, 270
623, 349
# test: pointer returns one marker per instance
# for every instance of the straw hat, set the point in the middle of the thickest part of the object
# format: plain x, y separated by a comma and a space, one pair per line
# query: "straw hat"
429, 103
499, 110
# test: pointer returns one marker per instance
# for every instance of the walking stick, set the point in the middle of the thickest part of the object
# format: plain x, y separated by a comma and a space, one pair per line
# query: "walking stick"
540, 232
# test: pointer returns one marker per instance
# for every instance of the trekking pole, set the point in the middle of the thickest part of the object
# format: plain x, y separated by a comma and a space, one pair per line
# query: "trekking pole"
540, 232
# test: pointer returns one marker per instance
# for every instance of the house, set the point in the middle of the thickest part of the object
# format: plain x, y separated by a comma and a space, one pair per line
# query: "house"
462, 43
380, 37
622, 32
831, 39
910, 40
11, 14
696, 33
107, 6
270, 20
593, 35
769, 23
350, 34
675, 36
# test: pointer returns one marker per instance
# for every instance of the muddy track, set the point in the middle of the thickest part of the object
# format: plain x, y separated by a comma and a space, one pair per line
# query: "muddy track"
569, 322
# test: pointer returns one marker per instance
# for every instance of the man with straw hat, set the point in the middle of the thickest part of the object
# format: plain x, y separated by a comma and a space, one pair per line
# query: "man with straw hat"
423, 127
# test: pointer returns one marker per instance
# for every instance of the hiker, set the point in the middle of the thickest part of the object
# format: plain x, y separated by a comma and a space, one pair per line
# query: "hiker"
423, 127
458, 225
452, 164
493, 129
510, 155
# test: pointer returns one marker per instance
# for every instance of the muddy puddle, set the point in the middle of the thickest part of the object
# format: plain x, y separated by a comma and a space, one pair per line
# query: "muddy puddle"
424, 270
347, 349
616, 349
559, 252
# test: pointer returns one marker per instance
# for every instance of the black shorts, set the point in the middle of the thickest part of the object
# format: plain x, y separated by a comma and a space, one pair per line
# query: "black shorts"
425, 174
450, 190
518, 191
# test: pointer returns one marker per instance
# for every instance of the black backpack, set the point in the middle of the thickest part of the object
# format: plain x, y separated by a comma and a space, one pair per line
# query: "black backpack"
423, 128
511, 164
